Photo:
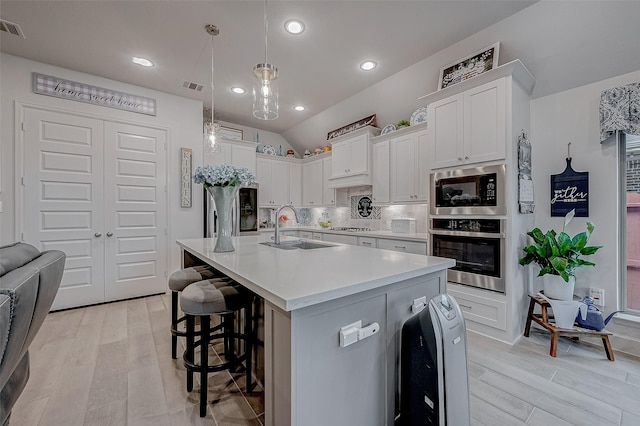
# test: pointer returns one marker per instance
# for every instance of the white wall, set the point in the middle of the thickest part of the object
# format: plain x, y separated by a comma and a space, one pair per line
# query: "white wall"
565, 44
572, 116
181, 117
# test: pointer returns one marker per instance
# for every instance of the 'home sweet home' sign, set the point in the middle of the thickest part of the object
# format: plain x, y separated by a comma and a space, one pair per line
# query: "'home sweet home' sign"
80, 92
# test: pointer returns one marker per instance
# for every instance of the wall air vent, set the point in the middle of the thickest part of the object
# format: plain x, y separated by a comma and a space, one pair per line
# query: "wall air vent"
11, 28
192, 86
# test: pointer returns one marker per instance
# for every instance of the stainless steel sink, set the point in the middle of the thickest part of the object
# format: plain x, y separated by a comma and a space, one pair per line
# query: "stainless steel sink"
300, 244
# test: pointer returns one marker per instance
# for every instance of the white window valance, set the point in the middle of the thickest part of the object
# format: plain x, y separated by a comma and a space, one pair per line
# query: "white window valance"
620, 111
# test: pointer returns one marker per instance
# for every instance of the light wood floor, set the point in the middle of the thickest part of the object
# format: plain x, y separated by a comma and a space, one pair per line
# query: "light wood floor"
111, 365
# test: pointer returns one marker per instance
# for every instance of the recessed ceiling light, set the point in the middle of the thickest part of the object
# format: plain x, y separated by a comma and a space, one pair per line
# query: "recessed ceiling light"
294, 26
238, 90
142, 61
298, 108
368, 65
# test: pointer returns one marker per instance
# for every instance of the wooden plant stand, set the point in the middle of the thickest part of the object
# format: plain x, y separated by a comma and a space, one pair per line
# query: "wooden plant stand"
542, 319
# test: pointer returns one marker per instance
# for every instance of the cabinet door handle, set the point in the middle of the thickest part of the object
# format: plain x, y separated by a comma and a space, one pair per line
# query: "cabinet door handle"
109, 234
366, 243
400, 247
97, 235
465, 306
460, 158
466, 157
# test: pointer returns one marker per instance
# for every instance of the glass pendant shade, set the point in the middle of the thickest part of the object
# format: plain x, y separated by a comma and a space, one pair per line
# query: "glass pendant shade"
265, 92
212, 137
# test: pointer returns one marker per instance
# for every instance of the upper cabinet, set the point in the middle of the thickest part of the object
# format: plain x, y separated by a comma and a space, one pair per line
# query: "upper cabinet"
468, 127
351, 158
295, 184
239, 154
274, 179
381, 172
328, 194
408, 168
312, 183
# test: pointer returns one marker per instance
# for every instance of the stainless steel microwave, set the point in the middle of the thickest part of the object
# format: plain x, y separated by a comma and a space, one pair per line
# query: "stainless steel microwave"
473, 191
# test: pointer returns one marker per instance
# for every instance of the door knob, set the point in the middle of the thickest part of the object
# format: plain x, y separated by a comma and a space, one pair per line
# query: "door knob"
109, 234
98, 235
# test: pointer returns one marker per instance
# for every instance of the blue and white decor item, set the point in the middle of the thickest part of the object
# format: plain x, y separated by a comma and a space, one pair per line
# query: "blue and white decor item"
620, 111
569, 191
223, 183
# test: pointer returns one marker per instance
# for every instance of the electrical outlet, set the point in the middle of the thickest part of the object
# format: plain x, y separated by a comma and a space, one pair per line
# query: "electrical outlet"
597, 294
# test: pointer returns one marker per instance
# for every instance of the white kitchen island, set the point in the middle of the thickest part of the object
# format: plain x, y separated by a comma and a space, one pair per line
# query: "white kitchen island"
309, 296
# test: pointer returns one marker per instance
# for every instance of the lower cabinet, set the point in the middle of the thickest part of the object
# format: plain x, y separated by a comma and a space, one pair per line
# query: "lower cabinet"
305, 359
343, 239
367, 242
480, 309
403, 246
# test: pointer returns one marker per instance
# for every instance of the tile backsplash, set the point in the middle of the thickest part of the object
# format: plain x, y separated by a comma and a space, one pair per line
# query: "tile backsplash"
343, 216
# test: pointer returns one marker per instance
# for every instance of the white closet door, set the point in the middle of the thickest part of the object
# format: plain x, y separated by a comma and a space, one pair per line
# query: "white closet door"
135, 211
63, 203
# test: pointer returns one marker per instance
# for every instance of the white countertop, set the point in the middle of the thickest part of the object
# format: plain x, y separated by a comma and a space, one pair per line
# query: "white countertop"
294, 279
418, 237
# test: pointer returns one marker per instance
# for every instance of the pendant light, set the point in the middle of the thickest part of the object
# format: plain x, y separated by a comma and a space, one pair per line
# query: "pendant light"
212, 128
265, 88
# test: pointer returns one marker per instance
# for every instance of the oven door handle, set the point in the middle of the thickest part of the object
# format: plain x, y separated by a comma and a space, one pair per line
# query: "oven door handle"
467, 234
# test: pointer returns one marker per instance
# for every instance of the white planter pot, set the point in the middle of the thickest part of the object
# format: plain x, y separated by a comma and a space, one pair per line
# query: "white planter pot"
556, 288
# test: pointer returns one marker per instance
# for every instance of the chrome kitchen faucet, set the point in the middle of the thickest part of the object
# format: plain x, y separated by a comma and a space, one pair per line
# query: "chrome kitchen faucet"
276, 237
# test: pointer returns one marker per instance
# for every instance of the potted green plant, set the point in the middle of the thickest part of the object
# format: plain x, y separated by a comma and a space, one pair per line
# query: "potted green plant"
402, 123
559, 255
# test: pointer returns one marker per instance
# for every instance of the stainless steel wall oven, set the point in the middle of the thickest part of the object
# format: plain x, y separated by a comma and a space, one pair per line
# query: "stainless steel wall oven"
477, 245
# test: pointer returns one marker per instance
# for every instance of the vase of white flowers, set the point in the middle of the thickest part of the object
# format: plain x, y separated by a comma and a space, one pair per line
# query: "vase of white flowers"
223, 183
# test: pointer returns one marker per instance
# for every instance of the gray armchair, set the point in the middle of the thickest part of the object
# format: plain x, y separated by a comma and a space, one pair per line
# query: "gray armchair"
29, 282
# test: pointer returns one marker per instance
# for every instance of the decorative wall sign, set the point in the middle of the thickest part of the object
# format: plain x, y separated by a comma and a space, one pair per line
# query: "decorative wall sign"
367, 121
229, 133
570, 190
80, 92
525, 183
185, 177
463, 69
362, 208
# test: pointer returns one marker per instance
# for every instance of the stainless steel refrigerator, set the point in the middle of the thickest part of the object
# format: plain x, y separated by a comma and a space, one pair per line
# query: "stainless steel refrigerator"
244, 213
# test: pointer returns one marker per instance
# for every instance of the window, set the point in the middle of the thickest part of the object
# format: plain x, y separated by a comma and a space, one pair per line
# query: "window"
630, 159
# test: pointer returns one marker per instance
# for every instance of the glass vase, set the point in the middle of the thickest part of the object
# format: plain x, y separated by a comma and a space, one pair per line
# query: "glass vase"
223, 197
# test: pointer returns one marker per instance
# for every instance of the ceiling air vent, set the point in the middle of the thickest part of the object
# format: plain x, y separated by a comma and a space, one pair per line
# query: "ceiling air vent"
11, 28
192, 86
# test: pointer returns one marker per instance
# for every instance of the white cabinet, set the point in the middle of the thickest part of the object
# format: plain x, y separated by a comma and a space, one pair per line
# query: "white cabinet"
243, 156
409, 173
367, 242
403, 246
339, 238
295, 184
380, 173
468, 127
328, 194
312, 184
351, 156
273, 177
480, 309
